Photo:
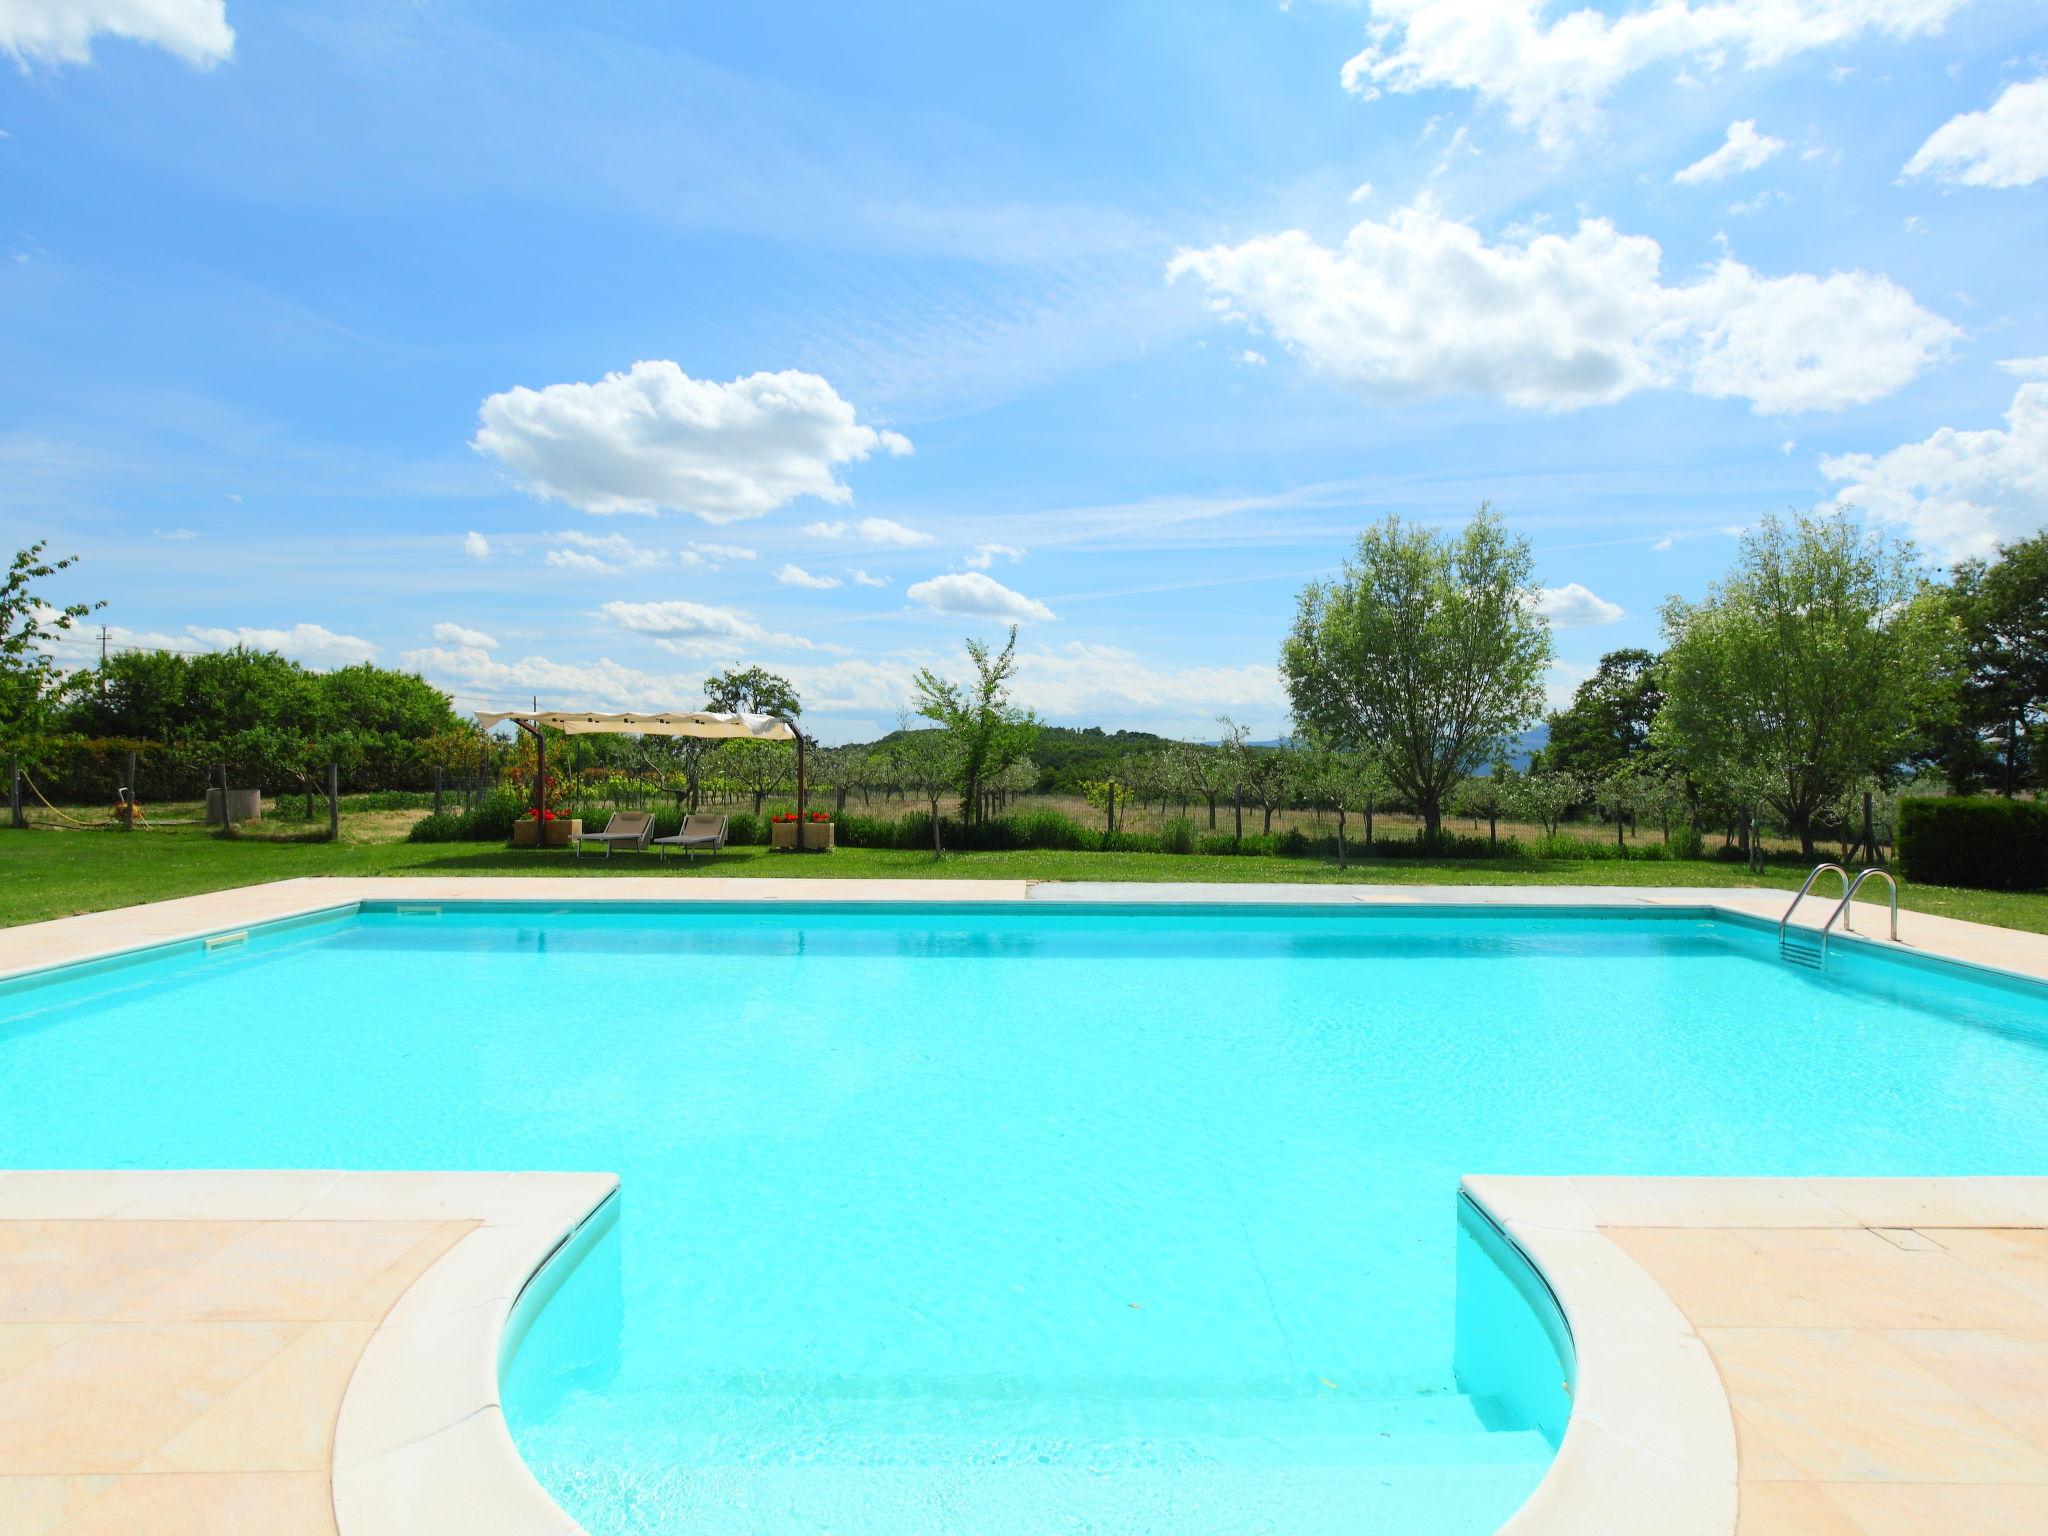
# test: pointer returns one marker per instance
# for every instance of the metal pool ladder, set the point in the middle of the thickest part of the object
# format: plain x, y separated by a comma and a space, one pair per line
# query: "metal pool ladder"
1805, 946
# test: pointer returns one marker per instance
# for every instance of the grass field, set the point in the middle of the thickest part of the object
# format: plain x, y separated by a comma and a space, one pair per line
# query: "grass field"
48, 873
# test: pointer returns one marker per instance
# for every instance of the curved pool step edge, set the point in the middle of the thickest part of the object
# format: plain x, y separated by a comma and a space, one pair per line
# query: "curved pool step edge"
421, 1447
1650, 1446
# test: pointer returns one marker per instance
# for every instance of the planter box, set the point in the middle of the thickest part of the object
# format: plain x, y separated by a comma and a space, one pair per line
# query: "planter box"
817, 835
525, 832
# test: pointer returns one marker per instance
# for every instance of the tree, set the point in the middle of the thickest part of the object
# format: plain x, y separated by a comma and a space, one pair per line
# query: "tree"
1235, 752
1429, 648
987, 732
1343, 782
758, 767
1609, 718
1820, 657
30, 681
1545, 796
925, 762
1482, 797
2002, 606
1206, 771
753, 691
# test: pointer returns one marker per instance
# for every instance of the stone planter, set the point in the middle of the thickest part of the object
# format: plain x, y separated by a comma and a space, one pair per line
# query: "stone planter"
526, 831
817, 835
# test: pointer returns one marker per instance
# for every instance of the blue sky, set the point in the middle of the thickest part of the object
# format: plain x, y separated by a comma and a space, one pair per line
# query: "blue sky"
574, 355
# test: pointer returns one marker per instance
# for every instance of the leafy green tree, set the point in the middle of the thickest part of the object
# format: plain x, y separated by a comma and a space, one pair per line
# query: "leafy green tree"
926, 763
30, 681
1545, 795
1820, 657
1429, 648
987, 731
2002, 605
1341, 781
1608, 720
753, 691
758, 767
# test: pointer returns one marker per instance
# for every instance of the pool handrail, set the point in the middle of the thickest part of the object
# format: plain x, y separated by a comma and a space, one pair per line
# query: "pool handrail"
1818, 871
1844, 912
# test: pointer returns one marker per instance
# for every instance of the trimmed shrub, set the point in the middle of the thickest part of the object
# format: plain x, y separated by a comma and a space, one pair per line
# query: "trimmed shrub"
1293, 844
743, 829
1216, 842
445, 828
1177, 836
1980, 841
492, 820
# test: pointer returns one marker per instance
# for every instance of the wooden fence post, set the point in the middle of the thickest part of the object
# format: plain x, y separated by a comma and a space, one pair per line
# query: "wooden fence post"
227, 822
16, 816
333, 801
128, 796
437, 793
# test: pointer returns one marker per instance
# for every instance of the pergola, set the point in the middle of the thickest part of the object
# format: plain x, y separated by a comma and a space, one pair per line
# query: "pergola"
702, 723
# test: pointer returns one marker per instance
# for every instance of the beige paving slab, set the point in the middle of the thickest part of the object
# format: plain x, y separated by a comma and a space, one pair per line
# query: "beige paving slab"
1879, 1379
190, 1374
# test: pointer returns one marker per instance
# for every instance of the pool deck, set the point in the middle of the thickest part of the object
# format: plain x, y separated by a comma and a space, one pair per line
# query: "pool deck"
192, 1354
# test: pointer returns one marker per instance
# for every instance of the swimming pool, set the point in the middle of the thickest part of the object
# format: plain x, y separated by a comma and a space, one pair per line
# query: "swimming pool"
1022, 1219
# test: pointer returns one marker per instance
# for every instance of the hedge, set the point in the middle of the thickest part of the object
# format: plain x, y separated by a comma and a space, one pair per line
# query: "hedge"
1979, 841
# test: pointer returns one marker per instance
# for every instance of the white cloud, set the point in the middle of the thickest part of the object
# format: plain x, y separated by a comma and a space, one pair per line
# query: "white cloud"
456, 634
476, 546
1421, 305
1571, 606
1744, 150
584, 565
970, 592
1961, 494
61, 31
986, 555
863, 579
870, 530
654, 439
310, 643
174, 535
2026, 367
797, 576
477, 676
1360, 192
610, 553
1089, 684
1769, 197
725, 551
1252, 359
2005, 146
698, 629
1551, 74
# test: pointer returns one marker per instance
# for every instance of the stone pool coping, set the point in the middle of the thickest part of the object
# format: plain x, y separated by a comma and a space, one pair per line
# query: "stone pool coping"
32, 947
420, 1443
156, 1433
1655, 1443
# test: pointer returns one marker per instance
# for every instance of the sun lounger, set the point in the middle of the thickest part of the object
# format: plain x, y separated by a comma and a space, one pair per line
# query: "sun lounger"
705, 832
626, 829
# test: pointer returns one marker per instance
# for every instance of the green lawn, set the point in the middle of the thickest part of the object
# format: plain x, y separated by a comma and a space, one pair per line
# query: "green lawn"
46, 873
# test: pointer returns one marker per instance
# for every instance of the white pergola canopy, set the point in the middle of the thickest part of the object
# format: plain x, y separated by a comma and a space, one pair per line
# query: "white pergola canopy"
675, 722
668, 723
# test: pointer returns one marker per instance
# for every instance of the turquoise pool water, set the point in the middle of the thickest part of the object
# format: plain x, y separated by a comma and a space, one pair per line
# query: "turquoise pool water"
1023, 1220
